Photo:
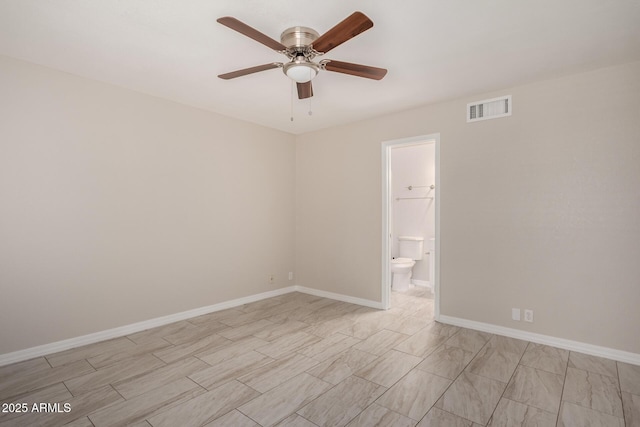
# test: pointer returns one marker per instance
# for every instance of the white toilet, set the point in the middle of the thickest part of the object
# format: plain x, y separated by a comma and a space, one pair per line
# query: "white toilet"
410, 251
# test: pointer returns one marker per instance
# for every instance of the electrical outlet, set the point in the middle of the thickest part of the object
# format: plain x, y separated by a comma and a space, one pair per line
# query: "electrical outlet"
528, 316
515, 314
291, 275
272, 279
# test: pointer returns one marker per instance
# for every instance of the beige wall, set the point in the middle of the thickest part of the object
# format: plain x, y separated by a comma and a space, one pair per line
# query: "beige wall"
117, 207
540, 210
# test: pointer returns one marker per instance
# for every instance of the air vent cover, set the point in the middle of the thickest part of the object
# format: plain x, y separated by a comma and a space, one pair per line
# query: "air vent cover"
489, 109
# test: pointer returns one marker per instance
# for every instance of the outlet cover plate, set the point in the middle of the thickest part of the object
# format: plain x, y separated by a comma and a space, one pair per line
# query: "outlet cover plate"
528, 316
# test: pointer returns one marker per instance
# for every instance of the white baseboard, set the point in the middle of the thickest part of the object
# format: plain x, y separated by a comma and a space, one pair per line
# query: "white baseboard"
41, 350
339, 297
593, 350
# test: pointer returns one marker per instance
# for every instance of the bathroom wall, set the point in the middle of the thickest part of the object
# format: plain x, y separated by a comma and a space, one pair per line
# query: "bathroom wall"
413, 165
118, 207
538, 210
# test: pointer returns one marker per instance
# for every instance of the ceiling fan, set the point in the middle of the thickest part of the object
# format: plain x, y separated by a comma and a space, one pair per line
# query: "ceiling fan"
302, 45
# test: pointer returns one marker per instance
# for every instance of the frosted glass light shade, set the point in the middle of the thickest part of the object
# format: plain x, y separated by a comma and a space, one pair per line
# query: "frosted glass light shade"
301, 72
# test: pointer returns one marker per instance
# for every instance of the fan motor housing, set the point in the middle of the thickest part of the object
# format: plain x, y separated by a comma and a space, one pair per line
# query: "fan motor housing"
298, 37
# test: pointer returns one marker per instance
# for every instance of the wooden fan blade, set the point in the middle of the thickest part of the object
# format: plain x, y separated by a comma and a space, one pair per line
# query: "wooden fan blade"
251, 70
305, 90
350, 27
355, 69
243, 28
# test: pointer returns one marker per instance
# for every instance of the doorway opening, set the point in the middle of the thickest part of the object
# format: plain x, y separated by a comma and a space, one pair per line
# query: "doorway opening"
417, 206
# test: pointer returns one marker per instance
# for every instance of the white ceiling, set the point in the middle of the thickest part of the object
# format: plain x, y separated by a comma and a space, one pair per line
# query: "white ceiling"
433, 49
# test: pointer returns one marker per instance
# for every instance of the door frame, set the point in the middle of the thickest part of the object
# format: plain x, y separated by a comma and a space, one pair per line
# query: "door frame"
386, 217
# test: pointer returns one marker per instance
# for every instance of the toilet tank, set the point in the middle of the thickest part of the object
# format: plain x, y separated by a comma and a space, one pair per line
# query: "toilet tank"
411, 247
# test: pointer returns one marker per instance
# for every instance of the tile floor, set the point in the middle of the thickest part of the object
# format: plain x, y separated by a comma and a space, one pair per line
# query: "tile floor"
300, 360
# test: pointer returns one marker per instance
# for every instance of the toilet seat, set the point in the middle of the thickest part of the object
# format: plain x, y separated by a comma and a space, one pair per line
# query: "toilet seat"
401, 263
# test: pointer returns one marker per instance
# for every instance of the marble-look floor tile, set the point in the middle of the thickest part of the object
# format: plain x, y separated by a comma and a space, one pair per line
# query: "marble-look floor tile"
421, 344
510, 413
148, 345
329, 327
85, 352
92, 401
408, 325
30, 366
389, 368
317, 317
328, 347
158, 377
231, 351
177, 352
594, 391
299, 313
446, 361
380, 342
162, 331
217, 375
442, 329
245, 330
295, 420
234, 418
379, 416
282, 308
469, 340
425, 311
339, 307
81, 406
438, 418
546, 358
205, 407
275, 373
472, 397
498, 359
141, 407
629, 378
362, 313
631, 407
343, 365
537, 388
363, 329
120, 371
342, 403
21, 383
593, 364
54, 393
285, 399
288, 344
80, 422
414, 394
195, 333
243, 319
584, 390
572, 415
277, 330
